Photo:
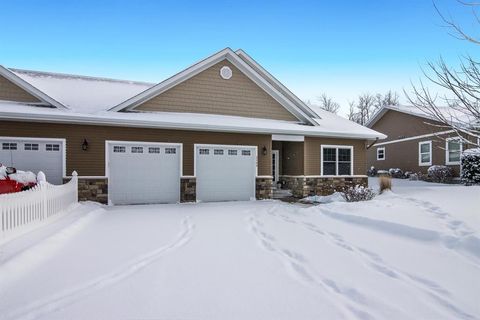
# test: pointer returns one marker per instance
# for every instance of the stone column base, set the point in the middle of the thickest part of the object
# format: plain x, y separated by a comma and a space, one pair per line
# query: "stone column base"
92, 189
188, 189
302, 186
263, 188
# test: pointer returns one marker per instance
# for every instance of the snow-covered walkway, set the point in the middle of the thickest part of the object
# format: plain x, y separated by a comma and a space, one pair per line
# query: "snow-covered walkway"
412, 254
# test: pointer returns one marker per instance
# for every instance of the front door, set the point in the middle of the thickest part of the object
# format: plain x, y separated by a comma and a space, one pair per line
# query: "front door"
275, 165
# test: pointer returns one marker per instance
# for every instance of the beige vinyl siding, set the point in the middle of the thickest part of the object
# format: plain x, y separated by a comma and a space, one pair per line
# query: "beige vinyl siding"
11, 92
312, 154
207, 92
92, 161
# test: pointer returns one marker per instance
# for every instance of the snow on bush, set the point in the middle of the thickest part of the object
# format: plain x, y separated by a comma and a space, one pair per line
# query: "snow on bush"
335, 197
396, 172
471, 166
19, 176
372, 172
441, 174
383, 173
358, 193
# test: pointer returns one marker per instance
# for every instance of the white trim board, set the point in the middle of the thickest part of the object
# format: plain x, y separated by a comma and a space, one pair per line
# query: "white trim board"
287, 137
195, 69
415, 137
9, 75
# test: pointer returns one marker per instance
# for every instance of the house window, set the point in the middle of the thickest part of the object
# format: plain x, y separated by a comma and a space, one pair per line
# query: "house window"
119, 149
136, 149
246, 152
52, 147
381, 153
425, 153
31, 146
336, 160
232, 152
9, 146
170, 150
453, 149
153, 149
204, 151
218, 152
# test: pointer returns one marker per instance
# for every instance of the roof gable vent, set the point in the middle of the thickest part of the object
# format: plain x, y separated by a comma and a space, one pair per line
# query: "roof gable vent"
226, 72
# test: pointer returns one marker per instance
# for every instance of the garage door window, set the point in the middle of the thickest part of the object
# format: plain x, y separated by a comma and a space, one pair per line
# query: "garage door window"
52, 147
336, 161
119, 149
154, 150
137, 149
218, 152
232, 152
31, 146
246, 152
203, 151
9, 146
171, 150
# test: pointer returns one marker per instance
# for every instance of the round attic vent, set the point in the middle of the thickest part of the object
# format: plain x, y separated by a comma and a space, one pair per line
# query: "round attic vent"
226, 72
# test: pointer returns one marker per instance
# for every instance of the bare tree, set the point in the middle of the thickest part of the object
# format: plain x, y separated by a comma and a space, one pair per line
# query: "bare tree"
362, 109
390, 98
459, 108
326, 103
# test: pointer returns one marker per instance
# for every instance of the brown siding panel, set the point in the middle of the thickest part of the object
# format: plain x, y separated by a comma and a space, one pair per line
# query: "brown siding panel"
312, 154
208, 93
92, 161
11, 92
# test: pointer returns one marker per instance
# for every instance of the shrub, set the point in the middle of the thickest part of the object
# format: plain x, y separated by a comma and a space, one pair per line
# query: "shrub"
358, 193
396, 172
383, 173
372, 172
412, 176
385, 183
471, 166
440, 174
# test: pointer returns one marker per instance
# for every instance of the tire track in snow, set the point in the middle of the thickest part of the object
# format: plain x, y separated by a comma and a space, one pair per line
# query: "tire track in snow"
434, 291
60, 300
297, 266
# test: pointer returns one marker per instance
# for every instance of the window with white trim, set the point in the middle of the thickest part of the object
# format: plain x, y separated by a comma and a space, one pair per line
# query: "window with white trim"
204, 151
52, 147
30, 146
120, 149
136, 149
170, 150
425, 153
337, 160
153, 149
453, 150
381, 153
9, 146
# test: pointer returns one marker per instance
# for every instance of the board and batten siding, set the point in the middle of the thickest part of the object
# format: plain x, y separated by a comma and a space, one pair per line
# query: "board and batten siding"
92, 161
313, 157
207, 92
11, 92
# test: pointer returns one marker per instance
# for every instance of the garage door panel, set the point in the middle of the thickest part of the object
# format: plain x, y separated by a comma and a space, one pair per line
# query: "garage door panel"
144, 173
225, 173
34, 155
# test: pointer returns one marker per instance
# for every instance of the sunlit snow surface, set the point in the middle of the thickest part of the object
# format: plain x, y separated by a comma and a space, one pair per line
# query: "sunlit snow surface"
410, 254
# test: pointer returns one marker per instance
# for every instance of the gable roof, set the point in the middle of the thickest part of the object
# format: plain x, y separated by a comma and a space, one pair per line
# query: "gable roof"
82, 94
230, 55
40, 95
450, 114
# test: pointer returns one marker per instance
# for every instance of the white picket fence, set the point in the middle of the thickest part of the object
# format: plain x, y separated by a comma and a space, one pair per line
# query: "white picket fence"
26, 210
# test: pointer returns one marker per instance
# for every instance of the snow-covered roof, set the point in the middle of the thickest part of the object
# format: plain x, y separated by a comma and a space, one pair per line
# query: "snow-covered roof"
81, 93
451, 114
329, 126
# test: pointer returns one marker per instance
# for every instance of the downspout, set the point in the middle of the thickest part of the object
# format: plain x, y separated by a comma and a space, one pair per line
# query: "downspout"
372, 144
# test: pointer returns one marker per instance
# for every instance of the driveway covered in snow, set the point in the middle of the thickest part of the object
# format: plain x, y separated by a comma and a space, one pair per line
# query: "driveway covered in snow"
405, 255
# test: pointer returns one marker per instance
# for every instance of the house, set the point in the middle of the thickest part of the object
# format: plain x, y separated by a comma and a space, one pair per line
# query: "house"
416, 140
222, 129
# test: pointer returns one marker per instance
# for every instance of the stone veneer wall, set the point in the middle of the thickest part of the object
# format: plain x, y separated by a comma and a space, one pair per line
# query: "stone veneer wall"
92, 189
188, 189
264, 188
323, 186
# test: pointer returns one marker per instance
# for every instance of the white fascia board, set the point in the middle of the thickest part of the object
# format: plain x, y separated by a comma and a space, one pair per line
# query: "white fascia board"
286, 137
30, 88
285, 90
96, 120
195, 69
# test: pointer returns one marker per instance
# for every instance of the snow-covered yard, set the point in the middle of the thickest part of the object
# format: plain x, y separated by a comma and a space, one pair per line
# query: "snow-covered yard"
410, 254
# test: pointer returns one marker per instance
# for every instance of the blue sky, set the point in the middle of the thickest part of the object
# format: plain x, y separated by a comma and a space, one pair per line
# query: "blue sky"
342, 48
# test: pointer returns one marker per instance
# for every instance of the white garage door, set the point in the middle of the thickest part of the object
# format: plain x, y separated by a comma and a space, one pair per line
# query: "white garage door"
140, 173
225, 172
34, 155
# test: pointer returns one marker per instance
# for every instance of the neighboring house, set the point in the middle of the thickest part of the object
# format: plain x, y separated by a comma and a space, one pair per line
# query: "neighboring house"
415, 141
222, 129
